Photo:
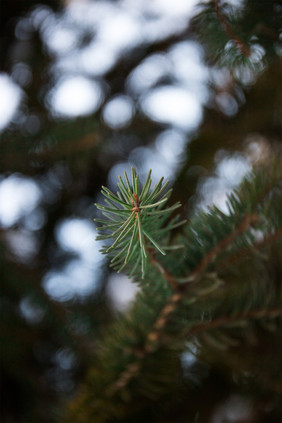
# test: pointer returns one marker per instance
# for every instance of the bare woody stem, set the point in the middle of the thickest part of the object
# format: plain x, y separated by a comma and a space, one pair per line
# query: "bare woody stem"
227, 28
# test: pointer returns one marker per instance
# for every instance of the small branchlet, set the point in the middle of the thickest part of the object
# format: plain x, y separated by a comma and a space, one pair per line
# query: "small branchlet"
135, 218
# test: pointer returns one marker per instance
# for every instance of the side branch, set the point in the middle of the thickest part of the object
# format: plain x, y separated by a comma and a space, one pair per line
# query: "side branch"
163, 272
154, 336
227, 28
240, 255
151, 344
227, 320
125, 377
222, 245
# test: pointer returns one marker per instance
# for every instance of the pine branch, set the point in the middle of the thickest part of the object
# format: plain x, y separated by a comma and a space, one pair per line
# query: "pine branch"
138, 221
224, 321
158, 330
218, 248
179, 284
219, 27
163, 272
154, 337
227, 28
238, 256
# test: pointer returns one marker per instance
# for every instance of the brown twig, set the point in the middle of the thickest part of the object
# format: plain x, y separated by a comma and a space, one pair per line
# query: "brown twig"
171, 280
135, 366
220, 246
240, 255
125, 377
227, 28
223, 321
154, 336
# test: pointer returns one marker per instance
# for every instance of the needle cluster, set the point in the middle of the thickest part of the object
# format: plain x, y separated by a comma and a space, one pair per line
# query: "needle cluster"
135, 221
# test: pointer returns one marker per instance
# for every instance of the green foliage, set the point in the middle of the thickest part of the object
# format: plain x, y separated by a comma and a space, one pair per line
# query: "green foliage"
136, 221
233, 36
218, 296
217, 275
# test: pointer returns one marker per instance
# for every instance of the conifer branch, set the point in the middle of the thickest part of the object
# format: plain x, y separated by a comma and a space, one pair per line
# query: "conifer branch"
151, 344
271, 313
209, 238
153, 339
243, 253
219, 247
229, 31
125, 377
172, 281
154, 336
138, 221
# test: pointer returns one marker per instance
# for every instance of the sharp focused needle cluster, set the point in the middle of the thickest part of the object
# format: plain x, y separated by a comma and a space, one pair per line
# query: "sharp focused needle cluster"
135, 220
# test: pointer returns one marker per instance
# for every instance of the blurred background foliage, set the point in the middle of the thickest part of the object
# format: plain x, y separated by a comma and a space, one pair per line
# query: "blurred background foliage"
89, 88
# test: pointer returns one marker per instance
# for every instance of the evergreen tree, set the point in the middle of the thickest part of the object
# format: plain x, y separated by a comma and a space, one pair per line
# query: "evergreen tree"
202, 340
